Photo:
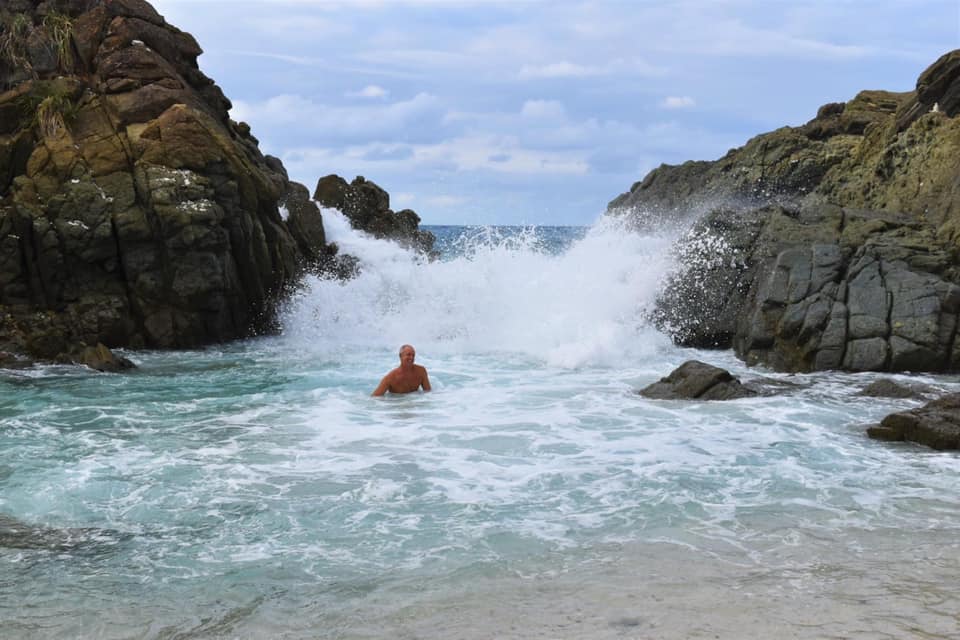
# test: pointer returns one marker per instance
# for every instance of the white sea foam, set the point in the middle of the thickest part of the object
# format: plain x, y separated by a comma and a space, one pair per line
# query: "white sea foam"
502, 294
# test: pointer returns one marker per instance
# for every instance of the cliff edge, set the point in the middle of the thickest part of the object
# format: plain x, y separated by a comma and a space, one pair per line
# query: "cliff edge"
833, 245
133, 211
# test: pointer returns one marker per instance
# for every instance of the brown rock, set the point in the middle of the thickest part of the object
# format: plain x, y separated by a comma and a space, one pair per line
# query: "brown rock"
936, 424
99, 357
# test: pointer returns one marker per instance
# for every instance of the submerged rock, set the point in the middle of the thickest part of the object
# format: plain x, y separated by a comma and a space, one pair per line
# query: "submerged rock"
936, 424
100, 358
695, 380
16, 534
887, 388
834, 243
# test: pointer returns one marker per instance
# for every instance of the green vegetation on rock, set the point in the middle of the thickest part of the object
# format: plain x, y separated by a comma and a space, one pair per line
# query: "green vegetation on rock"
59, 29
49, 106
14, 29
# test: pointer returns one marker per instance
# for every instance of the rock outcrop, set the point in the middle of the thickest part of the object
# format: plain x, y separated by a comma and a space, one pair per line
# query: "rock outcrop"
367, 207
827, 246
695, 380
936, 424
133, 211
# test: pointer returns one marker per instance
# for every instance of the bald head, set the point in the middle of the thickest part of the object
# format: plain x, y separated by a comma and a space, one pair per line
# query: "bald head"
407, 355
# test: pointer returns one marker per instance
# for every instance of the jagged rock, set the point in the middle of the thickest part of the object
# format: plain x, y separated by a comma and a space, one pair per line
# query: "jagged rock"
807, 289
936, 424
937, 88
834, 246
367, 207
133, 211
695, 380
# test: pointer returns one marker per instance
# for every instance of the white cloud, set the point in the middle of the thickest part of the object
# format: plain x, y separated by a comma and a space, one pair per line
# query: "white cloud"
279, 57
566, 69
369, 91
559, 70
466, 154
403, 199
499, 154
542, 109
422, 60
745, 29
678, 102
302, 115
444, 200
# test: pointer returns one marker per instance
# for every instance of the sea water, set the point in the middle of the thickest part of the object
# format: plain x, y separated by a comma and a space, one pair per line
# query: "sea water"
256, 490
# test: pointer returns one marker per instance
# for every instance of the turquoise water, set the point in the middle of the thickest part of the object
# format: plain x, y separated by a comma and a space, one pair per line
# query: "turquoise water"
255, 490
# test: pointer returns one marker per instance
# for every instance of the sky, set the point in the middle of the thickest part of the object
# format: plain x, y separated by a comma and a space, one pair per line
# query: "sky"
524, 112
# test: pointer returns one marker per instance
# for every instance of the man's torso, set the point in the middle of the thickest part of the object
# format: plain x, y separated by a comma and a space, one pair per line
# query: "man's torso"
406, 381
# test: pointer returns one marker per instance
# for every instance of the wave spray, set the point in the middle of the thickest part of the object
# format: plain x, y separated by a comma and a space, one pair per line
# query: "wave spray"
496, 290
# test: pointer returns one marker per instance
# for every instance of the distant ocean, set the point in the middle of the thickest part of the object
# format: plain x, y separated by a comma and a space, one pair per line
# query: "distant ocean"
255, 490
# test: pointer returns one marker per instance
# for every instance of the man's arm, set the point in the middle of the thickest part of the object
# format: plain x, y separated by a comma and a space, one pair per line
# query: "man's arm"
424, 379
382, 387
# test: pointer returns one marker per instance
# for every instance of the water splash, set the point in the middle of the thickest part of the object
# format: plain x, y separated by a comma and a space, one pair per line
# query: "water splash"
501, 291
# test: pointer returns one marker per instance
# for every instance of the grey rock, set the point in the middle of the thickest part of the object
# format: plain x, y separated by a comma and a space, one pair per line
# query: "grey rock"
831, 245
695, 380
869, 354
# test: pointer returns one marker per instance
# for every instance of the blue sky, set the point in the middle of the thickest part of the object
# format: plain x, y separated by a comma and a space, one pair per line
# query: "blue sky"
521, 112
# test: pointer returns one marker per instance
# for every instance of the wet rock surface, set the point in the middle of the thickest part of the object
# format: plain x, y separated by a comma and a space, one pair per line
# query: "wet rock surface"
695, 380
17, 534
936, 424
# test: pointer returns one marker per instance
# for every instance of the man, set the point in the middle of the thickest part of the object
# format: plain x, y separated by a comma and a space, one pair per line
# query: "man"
406, 378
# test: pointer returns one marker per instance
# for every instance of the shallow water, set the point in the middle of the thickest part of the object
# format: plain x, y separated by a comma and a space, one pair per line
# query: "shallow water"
256, 490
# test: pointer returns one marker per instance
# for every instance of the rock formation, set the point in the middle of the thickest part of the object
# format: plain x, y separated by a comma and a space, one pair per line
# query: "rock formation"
827, 246
133, 211
367, 206
936, 424
695, 380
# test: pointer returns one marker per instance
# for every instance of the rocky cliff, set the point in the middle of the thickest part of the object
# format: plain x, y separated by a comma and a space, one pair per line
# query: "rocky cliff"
133, 211
833, 245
